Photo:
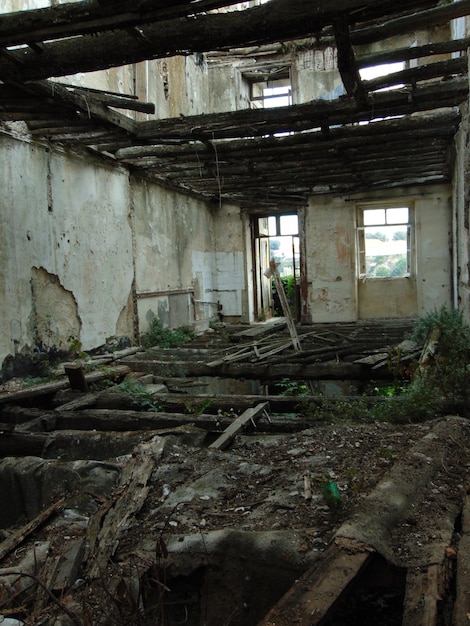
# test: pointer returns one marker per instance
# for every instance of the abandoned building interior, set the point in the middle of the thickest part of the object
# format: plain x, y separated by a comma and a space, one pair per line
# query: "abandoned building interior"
286, 185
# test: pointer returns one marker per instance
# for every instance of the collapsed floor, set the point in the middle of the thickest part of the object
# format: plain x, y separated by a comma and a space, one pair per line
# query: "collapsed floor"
235, 508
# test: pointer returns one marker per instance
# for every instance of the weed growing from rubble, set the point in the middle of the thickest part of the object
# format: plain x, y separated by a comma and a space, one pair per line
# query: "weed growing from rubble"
139, 394
440, 384
293, 387
159, 336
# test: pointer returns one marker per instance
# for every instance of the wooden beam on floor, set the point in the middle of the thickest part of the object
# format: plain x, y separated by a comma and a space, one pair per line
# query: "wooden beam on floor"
250, 415
312, 598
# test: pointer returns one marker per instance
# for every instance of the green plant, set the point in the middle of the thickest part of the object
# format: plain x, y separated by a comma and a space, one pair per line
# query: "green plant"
158, 335
139, 394
293, 387
197, 408
340, 410
445, 372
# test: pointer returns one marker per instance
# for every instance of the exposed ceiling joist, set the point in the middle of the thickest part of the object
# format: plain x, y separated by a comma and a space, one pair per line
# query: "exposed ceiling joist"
199, 33
257, 158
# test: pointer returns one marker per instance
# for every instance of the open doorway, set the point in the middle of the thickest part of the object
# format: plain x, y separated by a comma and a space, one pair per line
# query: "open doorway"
276, 237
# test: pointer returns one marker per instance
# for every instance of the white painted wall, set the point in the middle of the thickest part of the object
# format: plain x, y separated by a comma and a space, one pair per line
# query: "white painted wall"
335, 292
63, 218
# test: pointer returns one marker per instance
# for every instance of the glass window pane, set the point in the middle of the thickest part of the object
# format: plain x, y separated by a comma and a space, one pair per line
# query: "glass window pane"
397, 216
374, 216
272, 228
289, 225
386, 251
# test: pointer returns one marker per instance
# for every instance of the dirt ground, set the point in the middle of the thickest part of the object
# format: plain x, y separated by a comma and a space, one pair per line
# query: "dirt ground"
161, 528
265, 490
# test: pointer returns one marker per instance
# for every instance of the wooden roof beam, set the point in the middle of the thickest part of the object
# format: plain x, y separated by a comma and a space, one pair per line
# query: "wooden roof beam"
267, 23
406, 54
90, 16
402, 25
77, 101
346, 59
253, 122
412, 76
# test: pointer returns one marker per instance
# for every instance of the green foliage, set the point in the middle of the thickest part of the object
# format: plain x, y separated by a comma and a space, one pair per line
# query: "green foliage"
440, 385
139, 394
417, 404
378, 235
399, 235
162, 337
198, 408
293, 387
454, 331
339, 410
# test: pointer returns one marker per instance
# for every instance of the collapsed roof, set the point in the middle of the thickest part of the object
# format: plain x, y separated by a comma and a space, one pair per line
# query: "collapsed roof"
257, 158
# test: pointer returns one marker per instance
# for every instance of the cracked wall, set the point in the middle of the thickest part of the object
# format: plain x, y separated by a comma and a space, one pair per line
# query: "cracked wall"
66, 249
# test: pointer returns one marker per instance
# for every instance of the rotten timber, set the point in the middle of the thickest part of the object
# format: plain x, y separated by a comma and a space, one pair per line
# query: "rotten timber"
266, 372
314, 594
370, 530
10, 397
16, 538
202, 33
104, 532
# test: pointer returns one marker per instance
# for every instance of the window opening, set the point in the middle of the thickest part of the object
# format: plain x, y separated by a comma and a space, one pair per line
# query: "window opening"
384, 241
269, 88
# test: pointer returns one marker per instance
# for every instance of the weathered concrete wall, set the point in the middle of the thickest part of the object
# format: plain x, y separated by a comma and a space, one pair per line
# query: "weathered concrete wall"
460, 224
172, 234
189, 259
316, 76
66, 249
330, 247
335, 291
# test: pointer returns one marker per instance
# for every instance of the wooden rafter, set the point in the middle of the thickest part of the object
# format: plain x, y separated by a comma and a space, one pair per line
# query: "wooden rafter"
200, 33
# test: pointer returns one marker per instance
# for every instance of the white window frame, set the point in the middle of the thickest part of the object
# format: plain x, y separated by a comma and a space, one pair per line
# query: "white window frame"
361, 238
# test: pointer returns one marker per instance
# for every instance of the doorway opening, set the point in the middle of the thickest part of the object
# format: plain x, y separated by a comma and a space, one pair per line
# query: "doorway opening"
276, 237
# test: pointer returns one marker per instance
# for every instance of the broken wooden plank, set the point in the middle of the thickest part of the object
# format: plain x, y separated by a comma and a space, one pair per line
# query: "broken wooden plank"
16, 538
60, 572
313, 596
260, 330
118, 371
134, 488
272, 272
252, 349
425, 588
76, 375
229, 433
331, 370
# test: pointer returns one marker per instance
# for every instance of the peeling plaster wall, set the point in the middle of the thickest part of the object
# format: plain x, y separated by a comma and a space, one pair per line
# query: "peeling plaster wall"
316, 76
172, 234
330, 268
336, 294
175, 85
66, 249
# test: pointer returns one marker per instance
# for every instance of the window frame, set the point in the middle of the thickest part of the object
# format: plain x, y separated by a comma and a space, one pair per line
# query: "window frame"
361, 237
269, 77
